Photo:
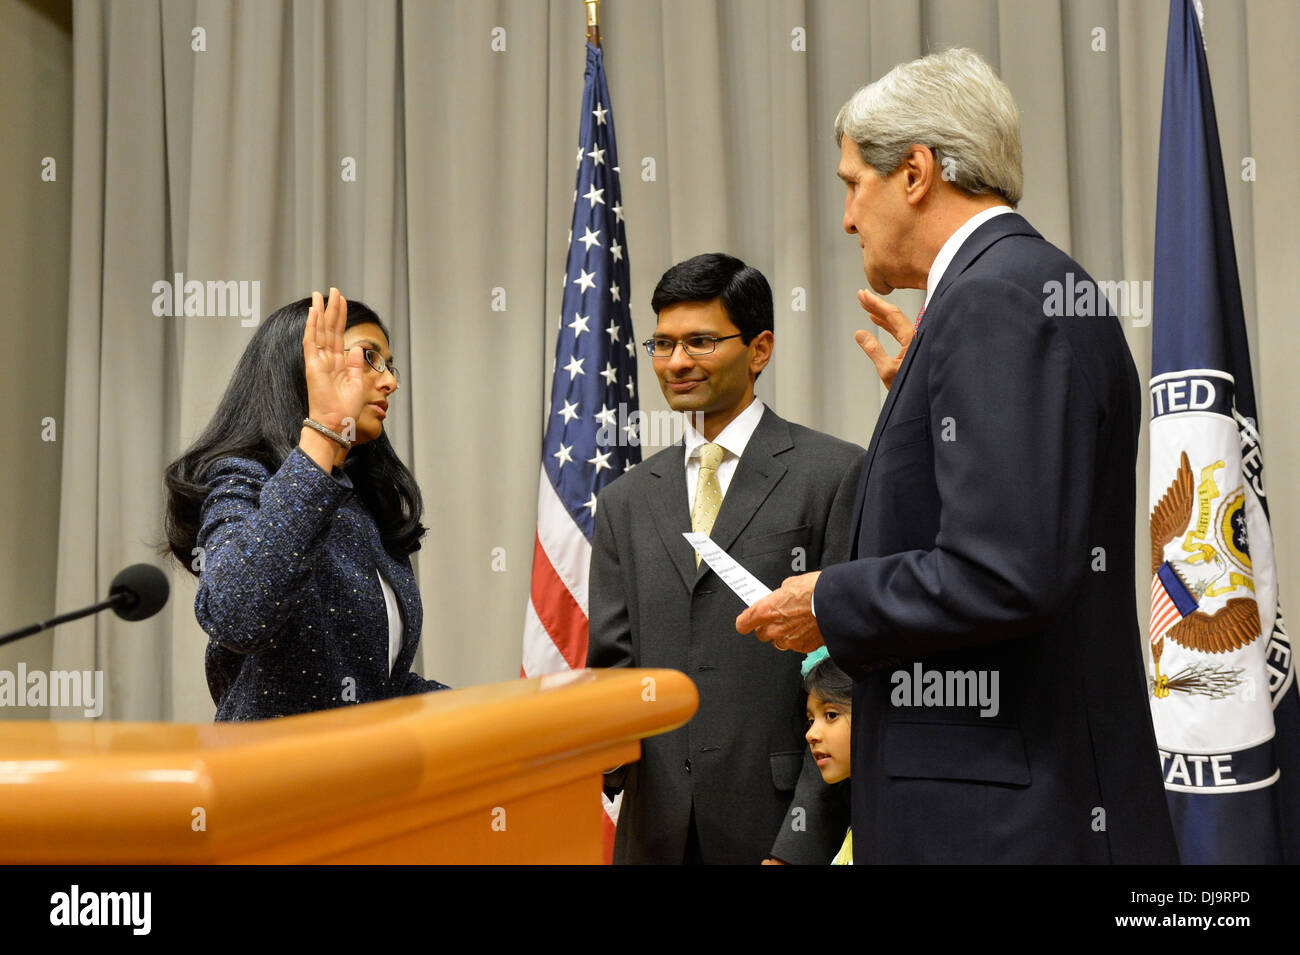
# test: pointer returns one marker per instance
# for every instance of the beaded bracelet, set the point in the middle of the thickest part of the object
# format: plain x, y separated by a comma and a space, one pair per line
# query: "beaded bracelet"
332, 435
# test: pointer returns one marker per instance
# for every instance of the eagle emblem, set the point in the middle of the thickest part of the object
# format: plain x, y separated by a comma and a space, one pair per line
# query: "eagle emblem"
1212, 562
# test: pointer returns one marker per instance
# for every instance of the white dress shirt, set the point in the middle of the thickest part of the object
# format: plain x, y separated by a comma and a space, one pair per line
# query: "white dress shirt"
734, 438
394, 621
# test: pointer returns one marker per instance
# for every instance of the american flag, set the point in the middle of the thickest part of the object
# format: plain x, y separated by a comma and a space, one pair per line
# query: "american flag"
1170, 601
591, 433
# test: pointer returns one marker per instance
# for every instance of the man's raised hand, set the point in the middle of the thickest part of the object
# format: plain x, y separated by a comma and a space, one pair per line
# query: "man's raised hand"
891, 318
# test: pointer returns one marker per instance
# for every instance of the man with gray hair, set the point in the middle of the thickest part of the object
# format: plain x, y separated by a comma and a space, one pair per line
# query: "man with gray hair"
993, 531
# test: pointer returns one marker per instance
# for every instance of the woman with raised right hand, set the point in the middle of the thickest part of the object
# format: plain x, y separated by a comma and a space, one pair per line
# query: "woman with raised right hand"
299, 519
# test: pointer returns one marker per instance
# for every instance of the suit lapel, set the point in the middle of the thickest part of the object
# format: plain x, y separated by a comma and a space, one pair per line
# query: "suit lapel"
756, 475
975, 245
882, 421
672, 516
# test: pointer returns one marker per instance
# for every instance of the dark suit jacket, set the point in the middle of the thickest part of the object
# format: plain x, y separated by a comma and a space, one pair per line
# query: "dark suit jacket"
742, 760
993, 532
288, 594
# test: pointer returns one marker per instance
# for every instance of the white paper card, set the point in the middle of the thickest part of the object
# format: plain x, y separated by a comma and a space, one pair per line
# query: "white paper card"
746, 586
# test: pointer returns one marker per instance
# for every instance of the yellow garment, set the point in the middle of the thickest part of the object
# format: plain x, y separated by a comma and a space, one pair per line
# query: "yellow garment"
845, 855
708, 492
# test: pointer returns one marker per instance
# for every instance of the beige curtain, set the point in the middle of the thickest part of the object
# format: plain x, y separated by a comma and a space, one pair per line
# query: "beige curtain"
229, 163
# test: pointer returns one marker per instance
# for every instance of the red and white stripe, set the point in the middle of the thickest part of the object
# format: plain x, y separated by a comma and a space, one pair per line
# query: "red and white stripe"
555, 623
1163, 612
555, 630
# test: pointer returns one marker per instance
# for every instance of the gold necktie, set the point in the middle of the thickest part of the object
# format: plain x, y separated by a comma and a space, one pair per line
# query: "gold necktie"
708, 492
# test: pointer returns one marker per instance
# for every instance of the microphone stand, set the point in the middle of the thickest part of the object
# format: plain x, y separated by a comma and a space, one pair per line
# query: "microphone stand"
27, 631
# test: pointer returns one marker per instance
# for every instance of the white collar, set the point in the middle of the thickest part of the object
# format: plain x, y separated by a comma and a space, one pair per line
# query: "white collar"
734, 437
955, 241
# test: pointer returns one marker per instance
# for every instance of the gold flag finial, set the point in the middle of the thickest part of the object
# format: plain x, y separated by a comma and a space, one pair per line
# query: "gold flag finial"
593, 30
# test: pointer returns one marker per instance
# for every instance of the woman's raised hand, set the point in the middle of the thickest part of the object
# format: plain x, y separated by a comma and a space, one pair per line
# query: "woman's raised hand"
335, 379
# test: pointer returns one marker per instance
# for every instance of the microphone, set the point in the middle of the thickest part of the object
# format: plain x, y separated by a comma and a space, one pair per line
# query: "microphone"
140, 591
137, 592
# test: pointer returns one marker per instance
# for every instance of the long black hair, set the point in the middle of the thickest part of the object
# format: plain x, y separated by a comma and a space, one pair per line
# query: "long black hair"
260, 417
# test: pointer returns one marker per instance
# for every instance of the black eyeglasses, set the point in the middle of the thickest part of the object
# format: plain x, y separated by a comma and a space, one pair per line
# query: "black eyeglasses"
377, 362
695, 345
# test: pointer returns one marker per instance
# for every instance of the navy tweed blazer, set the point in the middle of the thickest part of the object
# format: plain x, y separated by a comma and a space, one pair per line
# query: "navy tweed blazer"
288, 594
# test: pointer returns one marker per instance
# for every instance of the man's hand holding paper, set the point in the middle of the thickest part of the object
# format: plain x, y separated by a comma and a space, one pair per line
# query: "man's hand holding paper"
781, 617
784, 618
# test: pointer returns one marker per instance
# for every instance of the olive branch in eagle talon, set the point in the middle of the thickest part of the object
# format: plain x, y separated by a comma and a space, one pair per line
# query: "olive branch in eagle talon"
1234, 626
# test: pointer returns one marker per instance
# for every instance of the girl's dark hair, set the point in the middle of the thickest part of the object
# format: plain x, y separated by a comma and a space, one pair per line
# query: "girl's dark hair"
260, 417
829, 683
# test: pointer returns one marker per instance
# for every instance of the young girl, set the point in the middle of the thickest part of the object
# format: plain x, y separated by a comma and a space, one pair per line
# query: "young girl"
830, 710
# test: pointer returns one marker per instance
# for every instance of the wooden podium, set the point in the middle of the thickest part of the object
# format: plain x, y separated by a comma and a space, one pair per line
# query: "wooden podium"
507, 773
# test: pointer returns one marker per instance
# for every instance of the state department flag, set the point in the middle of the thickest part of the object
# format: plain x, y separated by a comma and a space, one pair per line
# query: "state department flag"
592, 428
1222, 680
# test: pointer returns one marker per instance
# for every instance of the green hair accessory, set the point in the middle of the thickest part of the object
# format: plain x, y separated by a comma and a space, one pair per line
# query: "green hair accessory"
812, 659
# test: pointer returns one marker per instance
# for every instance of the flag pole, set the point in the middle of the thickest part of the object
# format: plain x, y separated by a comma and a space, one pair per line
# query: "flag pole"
593, 30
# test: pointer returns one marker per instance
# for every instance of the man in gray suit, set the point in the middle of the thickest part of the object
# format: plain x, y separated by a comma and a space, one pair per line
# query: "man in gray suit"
737, 784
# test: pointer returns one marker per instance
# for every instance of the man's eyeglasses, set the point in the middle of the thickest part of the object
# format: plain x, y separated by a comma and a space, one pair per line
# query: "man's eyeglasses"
376, 361
695, 345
